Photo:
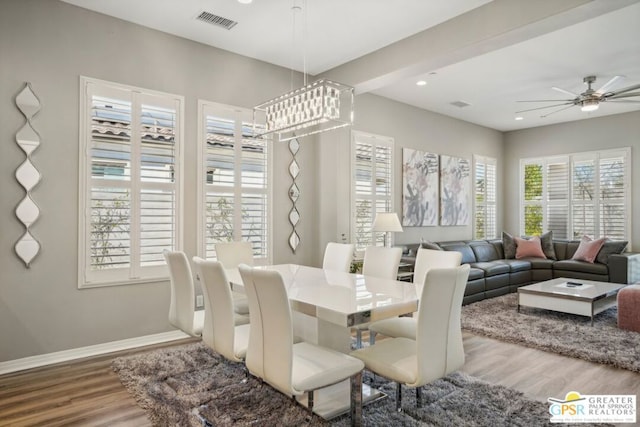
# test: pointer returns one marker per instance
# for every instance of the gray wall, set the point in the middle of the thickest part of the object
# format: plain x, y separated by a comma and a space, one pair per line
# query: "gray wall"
51, 44
620, 130
411, 128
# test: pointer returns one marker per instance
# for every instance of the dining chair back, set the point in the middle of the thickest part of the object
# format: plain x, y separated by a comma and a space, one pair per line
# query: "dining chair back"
427, 259
182, 313
219, 331
338, 256
439, 331
232, 254
437, 349
292, 369
381, 262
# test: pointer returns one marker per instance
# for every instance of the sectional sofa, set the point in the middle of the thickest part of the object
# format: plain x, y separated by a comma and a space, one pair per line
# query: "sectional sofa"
492, 274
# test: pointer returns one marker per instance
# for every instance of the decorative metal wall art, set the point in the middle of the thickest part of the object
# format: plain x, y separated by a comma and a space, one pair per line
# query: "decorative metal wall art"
294, 193
27, 247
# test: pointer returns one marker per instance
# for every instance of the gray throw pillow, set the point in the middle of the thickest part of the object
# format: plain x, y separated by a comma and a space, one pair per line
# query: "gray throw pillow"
430, 245
546, 241
509, 245
610, 247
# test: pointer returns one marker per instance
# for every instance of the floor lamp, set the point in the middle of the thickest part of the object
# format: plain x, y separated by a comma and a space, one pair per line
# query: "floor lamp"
387, 222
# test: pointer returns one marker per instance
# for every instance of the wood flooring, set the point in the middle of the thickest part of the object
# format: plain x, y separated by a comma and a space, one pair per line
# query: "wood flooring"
88, 393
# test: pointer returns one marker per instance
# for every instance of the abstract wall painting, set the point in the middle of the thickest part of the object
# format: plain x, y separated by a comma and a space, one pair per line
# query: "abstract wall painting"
419, 188
455, 191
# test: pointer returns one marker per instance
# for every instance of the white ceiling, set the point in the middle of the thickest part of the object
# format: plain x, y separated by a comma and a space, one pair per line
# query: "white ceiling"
339, 31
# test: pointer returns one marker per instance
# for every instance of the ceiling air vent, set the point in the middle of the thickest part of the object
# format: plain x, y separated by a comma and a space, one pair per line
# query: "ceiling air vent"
216, 20
460, 104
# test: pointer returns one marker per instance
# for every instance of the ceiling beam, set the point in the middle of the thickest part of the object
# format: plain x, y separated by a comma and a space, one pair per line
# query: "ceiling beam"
490, 27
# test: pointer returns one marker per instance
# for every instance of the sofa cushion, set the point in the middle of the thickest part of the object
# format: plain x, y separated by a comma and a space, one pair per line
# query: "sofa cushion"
529, 248
497, 243
580, 266
475, 273
516, 264
467, 254
588, 249
484, 251
540, 263
572, 247
508, 245
491, 268
546, 241
610, 247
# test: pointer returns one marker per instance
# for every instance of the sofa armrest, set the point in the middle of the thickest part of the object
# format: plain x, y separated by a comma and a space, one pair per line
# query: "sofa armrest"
624, 268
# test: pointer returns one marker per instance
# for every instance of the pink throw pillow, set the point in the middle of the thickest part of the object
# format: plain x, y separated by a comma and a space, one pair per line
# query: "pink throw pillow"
529, 248
588, 249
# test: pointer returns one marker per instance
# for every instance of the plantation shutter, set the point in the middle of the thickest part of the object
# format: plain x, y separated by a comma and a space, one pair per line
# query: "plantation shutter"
485, 198
372, 167
532, 200
131, 205
612, 197
557, 190
236, 205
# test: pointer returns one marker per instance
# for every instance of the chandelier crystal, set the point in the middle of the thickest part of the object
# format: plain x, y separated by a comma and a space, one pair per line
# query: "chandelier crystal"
318, 107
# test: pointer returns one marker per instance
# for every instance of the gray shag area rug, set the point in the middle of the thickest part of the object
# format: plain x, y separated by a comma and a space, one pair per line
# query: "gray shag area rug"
565, 334
185, 385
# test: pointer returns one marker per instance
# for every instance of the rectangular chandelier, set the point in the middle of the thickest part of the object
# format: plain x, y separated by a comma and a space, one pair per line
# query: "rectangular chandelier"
318, 107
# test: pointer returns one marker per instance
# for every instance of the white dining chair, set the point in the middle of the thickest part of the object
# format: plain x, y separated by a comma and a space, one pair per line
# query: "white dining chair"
182, 312
426, 259
231, 255
220, 331
338, 256
292, 369
380, 262
437, 350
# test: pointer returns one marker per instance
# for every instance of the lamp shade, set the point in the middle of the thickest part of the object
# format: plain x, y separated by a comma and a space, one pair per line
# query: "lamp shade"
386, 221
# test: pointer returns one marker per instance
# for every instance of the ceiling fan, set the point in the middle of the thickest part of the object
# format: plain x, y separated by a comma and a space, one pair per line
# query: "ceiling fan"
590, 99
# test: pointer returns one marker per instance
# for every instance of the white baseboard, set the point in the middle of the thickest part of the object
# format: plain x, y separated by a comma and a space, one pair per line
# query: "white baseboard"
92, 350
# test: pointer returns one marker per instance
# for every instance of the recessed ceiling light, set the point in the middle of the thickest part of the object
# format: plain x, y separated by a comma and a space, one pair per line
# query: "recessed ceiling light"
245, 1
421, 83
519, 118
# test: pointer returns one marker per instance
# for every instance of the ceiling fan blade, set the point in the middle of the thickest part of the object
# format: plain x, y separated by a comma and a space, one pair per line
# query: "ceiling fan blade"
623, 90
575, 95
547, 100
623, 101
608, 85
623, 95
548, 106
556, 111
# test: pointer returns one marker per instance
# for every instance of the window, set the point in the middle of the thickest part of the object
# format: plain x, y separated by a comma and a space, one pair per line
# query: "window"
485, 197
371, 185
234, 181
578, 194
130, 159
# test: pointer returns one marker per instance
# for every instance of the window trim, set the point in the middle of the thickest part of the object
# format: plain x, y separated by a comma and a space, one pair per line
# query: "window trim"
201, 178
382, 141
159, 273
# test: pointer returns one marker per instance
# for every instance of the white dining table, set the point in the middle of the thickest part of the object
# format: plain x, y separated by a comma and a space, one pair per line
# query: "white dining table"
326, 304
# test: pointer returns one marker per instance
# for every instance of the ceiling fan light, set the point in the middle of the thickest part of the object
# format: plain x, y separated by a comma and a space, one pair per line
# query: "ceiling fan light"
589, 105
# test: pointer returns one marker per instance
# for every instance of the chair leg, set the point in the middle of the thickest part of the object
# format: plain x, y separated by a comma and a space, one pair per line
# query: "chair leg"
310, 401
419, 397
372, 337
358, 338
356, 400
398, 397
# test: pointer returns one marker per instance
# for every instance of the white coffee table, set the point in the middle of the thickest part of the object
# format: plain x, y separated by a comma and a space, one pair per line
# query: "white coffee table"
588, 299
